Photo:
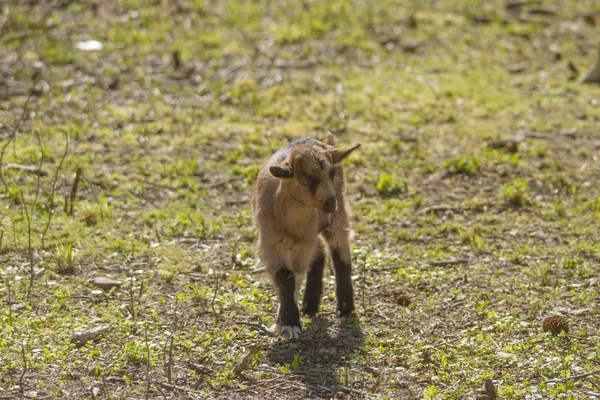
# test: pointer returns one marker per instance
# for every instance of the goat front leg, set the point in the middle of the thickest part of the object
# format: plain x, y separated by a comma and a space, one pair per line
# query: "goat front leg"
288, 318
340, 255
314, 284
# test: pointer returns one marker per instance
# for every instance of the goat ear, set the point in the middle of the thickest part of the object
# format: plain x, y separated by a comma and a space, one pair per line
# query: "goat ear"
282, 171
338, 154
330, 140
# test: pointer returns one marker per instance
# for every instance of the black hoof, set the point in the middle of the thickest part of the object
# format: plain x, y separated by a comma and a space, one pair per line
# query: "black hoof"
345, 308
310, 309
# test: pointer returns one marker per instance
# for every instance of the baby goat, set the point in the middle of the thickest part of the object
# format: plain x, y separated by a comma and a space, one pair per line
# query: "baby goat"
300, 207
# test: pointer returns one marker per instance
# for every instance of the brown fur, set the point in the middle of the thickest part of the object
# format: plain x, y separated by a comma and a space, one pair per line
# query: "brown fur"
300, 208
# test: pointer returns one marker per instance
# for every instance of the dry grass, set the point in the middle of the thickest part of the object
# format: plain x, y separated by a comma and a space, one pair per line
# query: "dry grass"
475, 196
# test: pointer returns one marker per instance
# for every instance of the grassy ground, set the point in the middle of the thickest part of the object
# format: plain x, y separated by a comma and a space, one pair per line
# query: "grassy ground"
478, 146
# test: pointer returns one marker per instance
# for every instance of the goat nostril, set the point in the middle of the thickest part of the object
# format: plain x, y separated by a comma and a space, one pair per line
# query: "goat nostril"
330, 203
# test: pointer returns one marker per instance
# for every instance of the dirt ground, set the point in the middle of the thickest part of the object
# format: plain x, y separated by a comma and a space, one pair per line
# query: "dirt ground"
131, 133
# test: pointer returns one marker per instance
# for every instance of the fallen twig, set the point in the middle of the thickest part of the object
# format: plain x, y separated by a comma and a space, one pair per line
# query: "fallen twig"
178, 389
200, 369
259, 326
26, 168
593, 73
170, 360
442, 207
22, 376
258, 270
574, 377
245, 363
231, 69
223, 182
235, 202
351, 390
444, 263
373, 269
536, 135
155, 184
294, 64
571, 134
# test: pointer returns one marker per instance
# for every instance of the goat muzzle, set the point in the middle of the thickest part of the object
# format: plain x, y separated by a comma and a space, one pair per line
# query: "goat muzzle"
329, 205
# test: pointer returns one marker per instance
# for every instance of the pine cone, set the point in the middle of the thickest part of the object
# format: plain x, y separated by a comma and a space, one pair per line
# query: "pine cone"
555, 325
402, 299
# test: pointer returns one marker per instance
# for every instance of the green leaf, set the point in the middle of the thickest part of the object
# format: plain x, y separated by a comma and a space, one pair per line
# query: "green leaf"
296, 362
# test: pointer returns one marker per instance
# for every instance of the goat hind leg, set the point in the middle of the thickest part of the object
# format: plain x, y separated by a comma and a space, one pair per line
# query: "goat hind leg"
340, 254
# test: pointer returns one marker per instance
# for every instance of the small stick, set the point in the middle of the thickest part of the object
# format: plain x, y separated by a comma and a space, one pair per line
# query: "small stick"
574, 377
39, 172
14, 232
66, 207
51, 205
245, 363
593, 73
159, 185
441, 207
20, 121
444, 263
536, 135
160, 390
131, 298
433, 330
259, 326
147, 363
170, 361
141, 290
212, 304
223, 182
178, 389
235, 202
10, 320
24, 368
26, 168
381, 268
158, 237
78, 174
364, 285
29, 248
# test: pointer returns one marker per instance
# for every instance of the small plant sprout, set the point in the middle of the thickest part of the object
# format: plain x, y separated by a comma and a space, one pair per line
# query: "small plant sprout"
388, 186
515, 193
65, 259
465, 165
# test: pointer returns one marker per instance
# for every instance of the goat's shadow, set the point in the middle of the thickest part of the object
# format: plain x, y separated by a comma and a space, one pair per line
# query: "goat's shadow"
325, 352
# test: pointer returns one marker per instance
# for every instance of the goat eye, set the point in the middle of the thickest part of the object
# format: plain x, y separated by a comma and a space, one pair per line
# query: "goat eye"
303, 183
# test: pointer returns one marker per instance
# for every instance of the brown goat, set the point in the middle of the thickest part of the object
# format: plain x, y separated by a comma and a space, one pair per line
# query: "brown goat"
300, 208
